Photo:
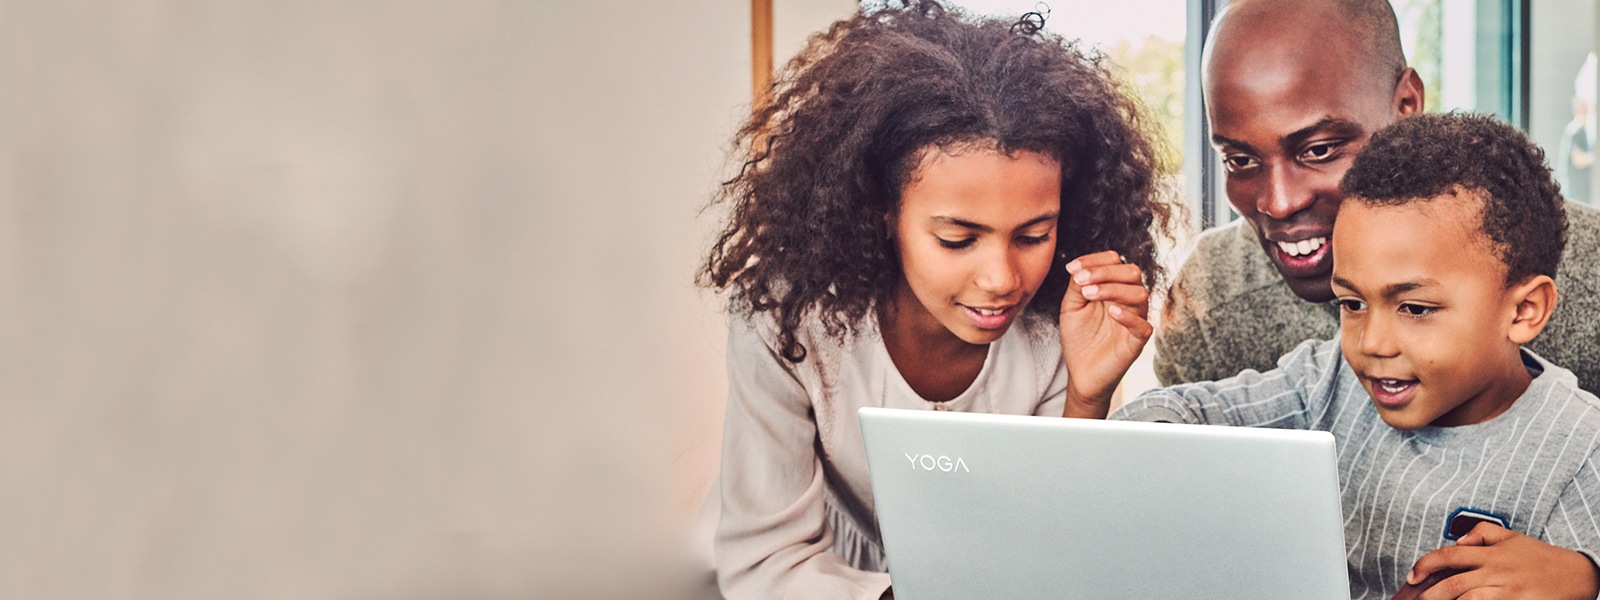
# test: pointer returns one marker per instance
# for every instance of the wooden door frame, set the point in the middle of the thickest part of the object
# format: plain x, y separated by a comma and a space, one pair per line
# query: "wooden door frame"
760, 49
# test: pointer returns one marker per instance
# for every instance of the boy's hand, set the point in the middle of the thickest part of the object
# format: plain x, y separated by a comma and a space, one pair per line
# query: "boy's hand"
1495, 562
1104, 326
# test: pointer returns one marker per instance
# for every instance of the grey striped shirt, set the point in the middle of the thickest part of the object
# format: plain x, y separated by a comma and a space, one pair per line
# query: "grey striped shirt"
1534, 465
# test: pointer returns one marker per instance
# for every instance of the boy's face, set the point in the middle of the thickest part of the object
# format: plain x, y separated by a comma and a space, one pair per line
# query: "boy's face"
1425, 315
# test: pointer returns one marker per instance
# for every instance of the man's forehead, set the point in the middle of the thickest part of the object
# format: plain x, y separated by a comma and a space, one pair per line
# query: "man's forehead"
1264, 96
1280, 59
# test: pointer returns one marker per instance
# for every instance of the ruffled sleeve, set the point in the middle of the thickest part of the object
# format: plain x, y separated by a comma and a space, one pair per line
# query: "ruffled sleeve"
774, 536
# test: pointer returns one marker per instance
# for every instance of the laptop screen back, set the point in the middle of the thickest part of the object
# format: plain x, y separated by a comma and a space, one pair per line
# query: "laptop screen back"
997, 506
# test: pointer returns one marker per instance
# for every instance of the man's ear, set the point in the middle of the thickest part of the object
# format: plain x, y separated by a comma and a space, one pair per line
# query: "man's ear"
1408, 93
1535, 299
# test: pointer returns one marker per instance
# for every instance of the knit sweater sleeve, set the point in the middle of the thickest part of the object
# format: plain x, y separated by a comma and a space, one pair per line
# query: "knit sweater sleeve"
1185, 342
1183, 352
1282, 398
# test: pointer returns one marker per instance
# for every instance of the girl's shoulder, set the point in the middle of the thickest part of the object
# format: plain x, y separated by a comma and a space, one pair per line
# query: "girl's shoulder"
823, 349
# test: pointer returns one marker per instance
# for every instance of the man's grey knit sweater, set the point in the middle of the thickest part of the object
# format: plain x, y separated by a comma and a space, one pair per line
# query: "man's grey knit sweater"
1230, 310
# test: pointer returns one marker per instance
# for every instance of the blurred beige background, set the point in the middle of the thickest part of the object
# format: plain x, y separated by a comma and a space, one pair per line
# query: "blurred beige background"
361, 299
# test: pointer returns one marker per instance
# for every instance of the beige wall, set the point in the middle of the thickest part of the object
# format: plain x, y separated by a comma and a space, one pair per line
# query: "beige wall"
795, 20
358, 299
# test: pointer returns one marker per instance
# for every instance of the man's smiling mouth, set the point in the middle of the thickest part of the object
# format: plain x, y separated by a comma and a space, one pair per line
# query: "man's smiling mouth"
1303, 248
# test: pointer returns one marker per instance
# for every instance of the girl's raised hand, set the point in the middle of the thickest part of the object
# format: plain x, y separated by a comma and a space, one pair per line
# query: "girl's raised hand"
1104, 326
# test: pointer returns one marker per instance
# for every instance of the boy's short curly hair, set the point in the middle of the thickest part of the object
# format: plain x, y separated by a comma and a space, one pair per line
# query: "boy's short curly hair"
849, 119
1427, 156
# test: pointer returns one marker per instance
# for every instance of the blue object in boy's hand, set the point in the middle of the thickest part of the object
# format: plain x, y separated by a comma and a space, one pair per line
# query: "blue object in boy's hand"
1462, 520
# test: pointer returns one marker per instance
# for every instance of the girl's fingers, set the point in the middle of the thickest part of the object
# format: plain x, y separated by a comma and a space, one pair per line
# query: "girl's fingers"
1117, 273
1130, 319
1098, 259
1105, 277
1132, 296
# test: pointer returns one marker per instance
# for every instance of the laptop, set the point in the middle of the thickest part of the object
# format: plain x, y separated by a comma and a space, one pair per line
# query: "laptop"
1002, 506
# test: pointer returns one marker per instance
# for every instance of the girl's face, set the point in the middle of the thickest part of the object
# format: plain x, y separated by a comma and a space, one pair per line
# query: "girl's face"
976, 233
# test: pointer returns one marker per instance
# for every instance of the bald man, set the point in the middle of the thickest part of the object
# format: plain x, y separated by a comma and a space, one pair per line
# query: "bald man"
1293, 90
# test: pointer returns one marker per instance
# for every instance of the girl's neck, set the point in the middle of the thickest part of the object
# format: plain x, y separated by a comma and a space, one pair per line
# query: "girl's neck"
938, 365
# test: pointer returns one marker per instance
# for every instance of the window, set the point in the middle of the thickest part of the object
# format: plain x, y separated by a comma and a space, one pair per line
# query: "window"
1561, 91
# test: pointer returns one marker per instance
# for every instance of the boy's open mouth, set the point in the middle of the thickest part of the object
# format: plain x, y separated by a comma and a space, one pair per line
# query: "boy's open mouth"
1392, 393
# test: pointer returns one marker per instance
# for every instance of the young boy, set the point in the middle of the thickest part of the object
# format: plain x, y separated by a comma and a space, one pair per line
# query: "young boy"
1445, 249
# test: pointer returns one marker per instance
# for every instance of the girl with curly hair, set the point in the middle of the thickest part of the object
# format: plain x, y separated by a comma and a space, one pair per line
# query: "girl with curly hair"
923, 199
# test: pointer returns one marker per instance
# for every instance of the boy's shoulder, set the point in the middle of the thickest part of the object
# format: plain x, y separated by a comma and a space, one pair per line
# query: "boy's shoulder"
1556, 388
1587, 405
1585, 409
1563, 410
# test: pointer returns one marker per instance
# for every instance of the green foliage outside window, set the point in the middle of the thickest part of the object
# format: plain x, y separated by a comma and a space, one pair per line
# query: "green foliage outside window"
1154, 69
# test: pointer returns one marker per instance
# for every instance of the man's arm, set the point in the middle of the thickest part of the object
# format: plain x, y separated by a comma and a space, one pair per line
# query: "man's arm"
1180, 342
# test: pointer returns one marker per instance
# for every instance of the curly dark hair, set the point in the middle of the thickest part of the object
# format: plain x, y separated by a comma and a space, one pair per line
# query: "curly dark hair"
852, 115
1427, 156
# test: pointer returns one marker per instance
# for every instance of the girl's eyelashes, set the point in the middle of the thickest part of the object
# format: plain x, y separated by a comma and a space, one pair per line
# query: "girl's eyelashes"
1022, 240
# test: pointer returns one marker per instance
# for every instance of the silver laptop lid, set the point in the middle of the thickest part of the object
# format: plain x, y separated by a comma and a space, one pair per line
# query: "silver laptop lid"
999, 506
